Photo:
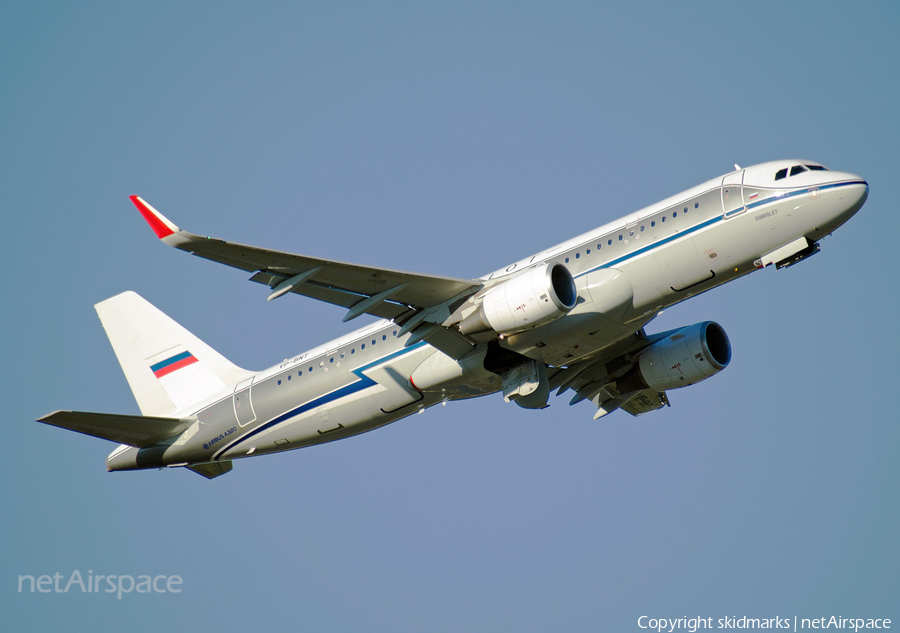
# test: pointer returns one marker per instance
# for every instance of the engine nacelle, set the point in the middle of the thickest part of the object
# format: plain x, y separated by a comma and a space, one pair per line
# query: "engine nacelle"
529, 299
684, 357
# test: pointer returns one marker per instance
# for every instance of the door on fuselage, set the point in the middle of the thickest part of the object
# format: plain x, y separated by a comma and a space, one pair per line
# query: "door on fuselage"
243, 404
732, 194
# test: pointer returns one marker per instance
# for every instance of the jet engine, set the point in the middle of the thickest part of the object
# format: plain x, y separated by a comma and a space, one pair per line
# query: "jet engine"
683, 357
531, 298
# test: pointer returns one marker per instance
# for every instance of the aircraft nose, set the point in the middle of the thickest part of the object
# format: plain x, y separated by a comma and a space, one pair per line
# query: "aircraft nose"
863, 189
854, 190
858, 183
864, 194
843, 176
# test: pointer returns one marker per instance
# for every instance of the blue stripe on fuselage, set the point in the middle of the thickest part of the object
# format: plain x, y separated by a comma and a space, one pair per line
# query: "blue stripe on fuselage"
711, 221
363, 382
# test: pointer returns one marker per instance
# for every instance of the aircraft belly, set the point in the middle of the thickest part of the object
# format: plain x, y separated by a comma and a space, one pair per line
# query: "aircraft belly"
645, 275
727, 246
393, 391
681, 264
607, 291
344, 419
322, 424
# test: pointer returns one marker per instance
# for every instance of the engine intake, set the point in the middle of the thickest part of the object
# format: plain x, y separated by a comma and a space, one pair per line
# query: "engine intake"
684, 357
529, 299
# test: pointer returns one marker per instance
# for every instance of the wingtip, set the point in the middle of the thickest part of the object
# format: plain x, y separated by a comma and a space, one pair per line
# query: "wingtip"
157, 221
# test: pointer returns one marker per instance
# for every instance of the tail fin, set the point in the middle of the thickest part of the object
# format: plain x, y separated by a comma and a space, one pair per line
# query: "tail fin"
166, 366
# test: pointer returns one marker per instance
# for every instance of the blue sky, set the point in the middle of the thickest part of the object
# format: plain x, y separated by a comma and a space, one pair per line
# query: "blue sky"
450, 140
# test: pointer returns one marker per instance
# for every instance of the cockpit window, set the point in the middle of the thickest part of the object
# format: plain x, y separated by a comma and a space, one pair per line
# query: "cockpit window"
797, 169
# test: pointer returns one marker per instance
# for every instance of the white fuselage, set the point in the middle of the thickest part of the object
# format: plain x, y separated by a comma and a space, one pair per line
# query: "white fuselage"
667, 252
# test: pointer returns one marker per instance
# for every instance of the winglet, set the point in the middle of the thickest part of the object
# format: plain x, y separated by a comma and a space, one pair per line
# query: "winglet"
160, 224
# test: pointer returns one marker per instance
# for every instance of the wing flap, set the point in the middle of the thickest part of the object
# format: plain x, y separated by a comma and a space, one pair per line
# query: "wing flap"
645, 401
211, 470
595, 379
334, 296
134, 430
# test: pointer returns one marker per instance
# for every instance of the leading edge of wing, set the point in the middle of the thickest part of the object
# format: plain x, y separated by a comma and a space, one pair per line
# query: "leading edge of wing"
335, 282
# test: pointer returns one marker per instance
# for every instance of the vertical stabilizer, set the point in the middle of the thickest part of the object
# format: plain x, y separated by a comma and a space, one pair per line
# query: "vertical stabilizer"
167, 367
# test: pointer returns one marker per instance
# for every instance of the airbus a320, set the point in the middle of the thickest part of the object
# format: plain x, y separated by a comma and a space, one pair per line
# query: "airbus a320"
570, 318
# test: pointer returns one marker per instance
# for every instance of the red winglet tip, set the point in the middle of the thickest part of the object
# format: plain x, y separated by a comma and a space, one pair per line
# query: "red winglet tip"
153, 219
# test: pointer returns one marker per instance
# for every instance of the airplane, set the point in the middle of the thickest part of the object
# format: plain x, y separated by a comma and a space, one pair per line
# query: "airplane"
571, 317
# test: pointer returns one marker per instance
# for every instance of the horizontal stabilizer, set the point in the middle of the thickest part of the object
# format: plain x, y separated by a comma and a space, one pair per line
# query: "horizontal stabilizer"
211, 470
134, 430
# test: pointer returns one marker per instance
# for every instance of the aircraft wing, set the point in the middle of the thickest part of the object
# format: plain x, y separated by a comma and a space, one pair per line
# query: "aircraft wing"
385, 293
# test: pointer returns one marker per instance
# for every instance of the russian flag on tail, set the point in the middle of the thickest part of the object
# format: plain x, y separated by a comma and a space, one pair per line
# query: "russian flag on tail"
166, 367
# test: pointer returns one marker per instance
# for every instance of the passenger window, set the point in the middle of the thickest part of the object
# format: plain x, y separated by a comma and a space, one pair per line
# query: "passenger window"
797, 169
781, 173
664, 218
652, 224
696, 205
609, 242
675, 214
